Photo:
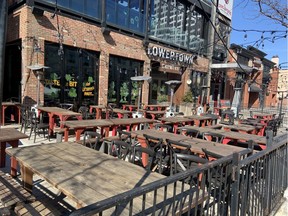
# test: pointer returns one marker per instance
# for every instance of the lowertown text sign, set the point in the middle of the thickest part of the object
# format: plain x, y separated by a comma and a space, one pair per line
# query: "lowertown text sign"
170, 55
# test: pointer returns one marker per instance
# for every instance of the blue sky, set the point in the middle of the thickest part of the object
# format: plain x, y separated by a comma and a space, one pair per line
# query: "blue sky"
246, 17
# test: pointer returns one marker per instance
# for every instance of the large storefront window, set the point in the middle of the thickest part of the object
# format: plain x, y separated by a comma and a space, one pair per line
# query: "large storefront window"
121, 89
129, 14
71, 78
177, 22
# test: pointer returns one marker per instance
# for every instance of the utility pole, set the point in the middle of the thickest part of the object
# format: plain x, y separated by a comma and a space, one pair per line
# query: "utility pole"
3, 26
210, 42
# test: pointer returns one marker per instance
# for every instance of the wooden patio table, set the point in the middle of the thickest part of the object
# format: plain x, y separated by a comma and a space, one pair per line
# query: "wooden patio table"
80, 126
154, 113
232, 136
98, 109
235, 136
241, 128
16, 105
131, 124
255, 123
202, 129
104, 125
63, 115
88, 176
12, 137
263, 115
121, 113
130, 107
200, 121
176, 121
158, 107
196, 144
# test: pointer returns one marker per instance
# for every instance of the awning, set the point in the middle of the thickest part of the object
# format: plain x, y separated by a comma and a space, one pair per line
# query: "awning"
254, 88
234, 65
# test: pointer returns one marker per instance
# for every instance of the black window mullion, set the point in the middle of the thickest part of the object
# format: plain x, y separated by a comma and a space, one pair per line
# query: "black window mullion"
189, 14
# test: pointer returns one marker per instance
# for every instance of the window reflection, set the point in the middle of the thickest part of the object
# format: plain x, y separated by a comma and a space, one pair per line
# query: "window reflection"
121, 89
177, 23
129, 14
72, 77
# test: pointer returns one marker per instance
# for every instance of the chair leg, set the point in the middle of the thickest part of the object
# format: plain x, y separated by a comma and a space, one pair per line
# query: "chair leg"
35, 132
31, 130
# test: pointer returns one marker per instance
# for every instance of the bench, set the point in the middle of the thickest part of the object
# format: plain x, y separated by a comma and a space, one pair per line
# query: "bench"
16, 200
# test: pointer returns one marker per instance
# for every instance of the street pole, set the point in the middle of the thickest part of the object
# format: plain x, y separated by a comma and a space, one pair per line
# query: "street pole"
210, 42
3, 29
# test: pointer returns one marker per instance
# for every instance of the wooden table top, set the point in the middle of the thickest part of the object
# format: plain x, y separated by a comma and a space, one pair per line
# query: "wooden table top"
196, 144
121, 111
85, 175
175, 119
156, 105
89, 123
247, 128
98, 106
11, 103
262, 114
8, 134
105, 122
128, 121
198, 117
230, 134
155, 111
200, 129
242, 136
58, 110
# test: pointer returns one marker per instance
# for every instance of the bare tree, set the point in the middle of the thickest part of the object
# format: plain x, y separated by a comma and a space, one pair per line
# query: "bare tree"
274, 9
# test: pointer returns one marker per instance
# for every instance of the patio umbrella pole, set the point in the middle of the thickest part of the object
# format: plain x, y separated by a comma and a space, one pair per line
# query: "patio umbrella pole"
38, 89
3, 29
171, 99
139, 95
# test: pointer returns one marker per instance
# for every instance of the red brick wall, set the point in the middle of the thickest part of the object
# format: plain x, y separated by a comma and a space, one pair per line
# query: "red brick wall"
30, 28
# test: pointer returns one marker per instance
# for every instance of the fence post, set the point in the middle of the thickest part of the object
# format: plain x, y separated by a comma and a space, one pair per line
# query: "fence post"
269, 138
235, 184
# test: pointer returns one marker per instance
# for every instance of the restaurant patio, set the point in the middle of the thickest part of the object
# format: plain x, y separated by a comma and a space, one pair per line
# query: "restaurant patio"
233, 176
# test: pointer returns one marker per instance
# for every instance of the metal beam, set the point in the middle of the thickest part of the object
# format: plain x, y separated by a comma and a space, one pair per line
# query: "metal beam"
3, 30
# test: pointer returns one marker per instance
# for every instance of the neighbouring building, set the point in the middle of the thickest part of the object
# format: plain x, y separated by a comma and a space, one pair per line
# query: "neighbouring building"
251, 79
91, 49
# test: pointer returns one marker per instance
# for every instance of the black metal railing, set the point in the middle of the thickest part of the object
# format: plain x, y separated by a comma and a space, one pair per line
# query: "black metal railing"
239, 184
260, 179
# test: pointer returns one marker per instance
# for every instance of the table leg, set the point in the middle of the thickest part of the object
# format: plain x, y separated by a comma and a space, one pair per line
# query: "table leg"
66, 134
51, 123
78, 133
27, 178
19, 114
13, 171
145, 156
3, 154
3, 114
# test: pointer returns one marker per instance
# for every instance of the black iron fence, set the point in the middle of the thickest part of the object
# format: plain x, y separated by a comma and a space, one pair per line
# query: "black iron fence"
239, 184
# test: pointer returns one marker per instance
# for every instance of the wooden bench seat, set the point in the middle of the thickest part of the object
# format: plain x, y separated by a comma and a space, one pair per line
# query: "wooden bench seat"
16, 200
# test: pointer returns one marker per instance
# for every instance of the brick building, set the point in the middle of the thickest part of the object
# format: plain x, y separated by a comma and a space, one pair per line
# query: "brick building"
91, 49
251, 79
